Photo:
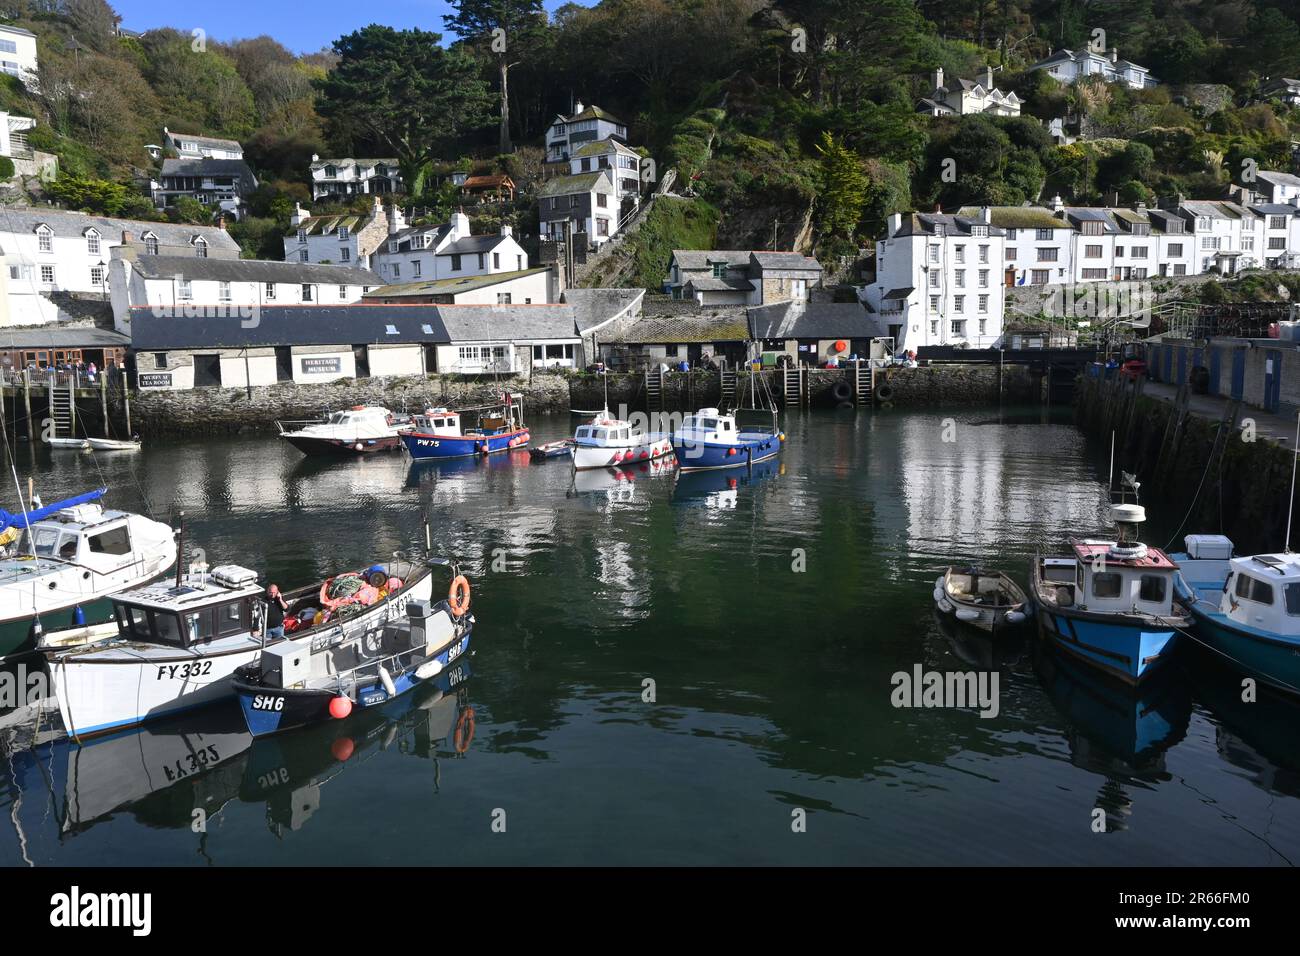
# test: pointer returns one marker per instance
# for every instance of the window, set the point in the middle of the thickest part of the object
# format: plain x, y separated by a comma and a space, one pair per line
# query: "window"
415, 268
1253, 589
113, 541
159, 359
934, 253
1092, 252
270, 292
1094, 273
979, 232
1151, 587
201, 247
150, 244
185, 290
1043, 235
166, 627
345, 254
306, 292
45, 239
231, 618
1138, 252
8, 46
984, 303
397, 270
455, 263
1048, 254
92, 243
1175, 248
1011, 252
1202, 223
1209, 242
1091, 228
959, 303
1248, 244
519, 263
934, 326
602, 200
303, 255
1277, 222
1180, 269
1291, 593
223, 291
47, 275
343, 233
343, 293
480, 260
959, 327
1119, 251
302, 235
1106, 584
496, 257
1011, 235
503, 298
959, 252
96, 275
984, 278
1040, 276
984, 254
934, 280
960, 278
1278, 243
1139, 273
934, 303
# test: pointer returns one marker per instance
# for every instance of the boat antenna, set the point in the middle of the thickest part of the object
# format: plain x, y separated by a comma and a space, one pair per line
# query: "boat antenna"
1110, 477
180, 548
1290, 508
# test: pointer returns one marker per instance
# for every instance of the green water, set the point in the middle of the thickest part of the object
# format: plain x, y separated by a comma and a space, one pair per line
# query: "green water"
769, 617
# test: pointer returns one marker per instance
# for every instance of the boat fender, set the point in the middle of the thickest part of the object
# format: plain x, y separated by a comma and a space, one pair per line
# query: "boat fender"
464, 730
967, 614
885, 393
340, 707
1015, 617
938, 582
938, 594
428, 669
458, 595
945, 606
841, 391
387, 680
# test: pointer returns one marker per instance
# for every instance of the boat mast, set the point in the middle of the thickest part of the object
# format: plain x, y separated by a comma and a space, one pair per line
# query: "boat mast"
1290, 508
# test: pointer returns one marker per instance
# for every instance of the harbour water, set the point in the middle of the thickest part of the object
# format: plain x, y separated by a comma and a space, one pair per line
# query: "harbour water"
765, 616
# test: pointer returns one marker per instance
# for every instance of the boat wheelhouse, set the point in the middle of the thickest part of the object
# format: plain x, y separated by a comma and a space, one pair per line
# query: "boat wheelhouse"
360, 430
439, 433
1111, 603
608, 442
1245, 609
70, 557
179, 641
709, 439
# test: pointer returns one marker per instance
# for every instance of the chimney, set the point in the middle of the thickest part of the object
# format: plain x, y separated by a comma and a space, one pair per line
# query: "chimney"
221, 223
986, 214
396, 220
315, 157
299, 214
988, 77
1114, 55
1057, 205
895, 223
459, 226
938, 77
577, 107
126, 237
507, 231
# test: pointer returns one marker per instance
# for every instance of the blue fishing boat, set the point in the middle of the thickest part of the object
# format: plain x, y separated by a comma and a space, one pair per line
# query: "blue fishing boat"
709, 439
1112, 604
294, 684
438, 433
1245, 609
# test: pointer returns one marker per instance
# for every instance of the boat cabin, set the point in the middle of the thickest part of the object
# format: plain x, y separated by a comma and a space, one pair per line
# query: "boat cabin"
708, 424
604, 432
361, 415
88, 536
1101, 580
1263, 592
203, 608
438, 421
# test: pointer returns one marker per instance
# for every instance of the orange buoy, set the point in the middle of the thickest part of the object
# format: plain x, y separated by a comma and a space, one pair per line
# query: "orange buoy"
340, 707
458, 595
841, 345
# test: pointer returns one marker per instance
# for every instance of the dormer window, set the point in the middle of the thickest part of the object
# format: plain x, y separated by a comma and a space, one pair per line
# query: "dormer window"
150, 244
92, 242
44, 238
979, 232
302, 235
343, 232
939, 229
200, 247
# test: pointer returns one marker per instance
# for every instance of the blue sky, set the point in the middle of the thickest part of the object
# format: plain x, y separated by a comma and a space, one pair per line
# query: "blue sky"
302, 27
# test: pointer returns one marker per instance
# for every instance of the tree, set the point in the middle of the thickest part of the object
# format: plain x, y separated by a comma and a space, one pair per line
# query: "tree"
405, 92
519, 22
843, 189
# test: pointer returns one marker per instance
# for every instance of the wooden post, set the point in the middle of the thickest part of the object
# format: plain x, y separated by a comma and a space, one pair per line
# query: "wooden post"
126, 405
103, 402
27, 402
72, 406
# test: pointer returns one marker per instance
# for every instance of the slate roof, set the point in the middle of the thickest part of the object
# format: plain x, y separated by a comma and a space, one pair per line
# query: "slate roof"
473, 244
712, 325
1215, 209
602, 146
813, 320
594, 307
252, 270
449, 286
691, 259
349, 161
352, 325
568, 185
46, 338
69, 224
786, 260
923, 223
1278, 179
595, 112
711, 284
204, 166
205, 140
326, 225
1275, 209
1017, 217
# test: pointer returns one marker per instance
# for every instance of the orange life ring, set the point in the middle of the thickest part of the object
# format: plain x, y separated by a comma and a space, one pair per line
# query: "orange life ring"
464, 730
458, 595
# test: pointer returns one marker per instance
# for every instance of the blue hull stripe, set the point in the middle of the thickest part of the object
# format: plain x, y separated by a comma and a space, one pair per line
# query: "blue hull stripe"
435, 446
698, 456
1130, 652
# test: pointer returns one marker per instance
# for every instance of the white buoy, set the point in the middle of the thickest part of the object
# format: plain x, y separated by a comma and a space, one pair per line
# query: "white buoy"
428, 669
968, 615
387, 680
1014, 617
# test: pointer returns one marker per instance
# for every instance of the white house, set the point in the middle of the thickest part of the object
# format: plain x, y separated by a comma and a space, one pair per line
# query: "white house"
344, 177
1276, 187
226, 288
1069, 66
589, 202
445, 251
44, 252
588, 124
18, 53
610, 154
1038, 245
13, 135
1226, 237
534, 286
220, 182
193, 146
939, 280
963, 97
739, 277
345, 239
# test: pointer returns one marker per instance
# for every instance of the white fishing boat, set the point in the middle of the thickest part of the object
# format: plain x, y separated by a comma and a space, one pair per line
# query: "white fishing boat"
74, 444
113, 444
70, 557
989, 600
608, 442
179, 641
359, 430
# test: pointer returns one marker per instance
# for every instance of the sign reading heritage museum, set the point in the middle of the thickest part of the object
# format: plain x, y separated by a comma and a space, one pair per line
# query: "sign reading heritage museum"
321, 366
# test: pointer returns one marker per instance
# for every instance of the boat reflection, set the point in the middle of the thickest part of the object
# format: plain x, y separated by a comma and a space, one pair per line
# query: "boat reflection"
164, 773
721, 489
980, 649
618, 484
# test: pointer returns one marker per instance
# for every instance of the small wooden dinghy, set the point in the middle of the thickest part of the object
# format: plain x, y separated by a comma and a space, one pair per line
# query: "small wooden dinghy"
989, 600
113, 444
79, 444
552, 449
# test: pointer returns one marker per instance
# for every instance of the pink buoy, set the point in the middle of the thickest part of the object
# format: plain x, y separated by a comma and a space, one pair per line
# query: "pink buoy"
340, 707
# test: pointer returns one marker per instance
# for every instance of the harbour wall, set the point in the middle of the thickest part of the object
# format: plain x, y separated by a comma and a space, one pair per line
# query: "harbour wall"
1235, 487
